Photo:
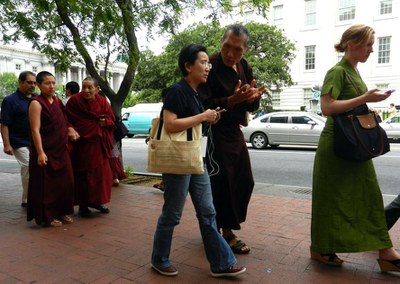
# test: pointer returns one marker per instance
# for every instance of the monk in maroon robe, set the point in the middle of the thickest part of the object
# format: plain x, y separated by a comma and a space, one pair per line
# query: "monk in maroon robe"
91, 116
231, 86
51, 181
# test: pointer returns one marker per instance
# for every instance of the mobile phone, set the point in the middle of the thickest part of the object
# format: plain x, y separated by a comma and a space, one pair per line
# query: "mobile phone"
389, 91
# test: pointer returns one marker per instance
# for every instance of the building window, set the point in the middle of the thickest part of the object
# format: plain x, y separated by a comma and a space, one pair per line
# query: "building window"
385, 7
17, 66
308, 95
384, 50
310, 12
34, 69
347, 10
278, 16
310, 57
249, 16
276, 99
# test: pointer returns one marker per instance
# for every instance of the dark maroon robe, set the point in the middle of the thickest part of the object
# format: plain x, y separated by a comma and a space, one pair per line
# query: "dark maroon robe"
229, 166
117, 169
91, 153
51, 187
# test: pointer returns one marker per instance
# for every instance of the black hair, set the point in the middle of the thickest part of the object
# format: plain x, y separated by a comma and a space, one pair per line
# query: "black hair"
24, 74
40, 76
238, 30
189, 54
73, 87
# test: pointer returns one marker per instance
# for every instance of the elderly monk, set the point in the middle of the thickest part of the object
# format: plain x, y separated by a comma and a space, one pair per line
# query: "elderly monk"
231, 86
91, 116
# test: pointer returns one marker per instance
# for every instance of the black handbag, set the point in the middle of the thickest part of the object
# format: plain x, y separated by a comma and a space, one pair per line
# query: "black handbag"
358, 135
121, 130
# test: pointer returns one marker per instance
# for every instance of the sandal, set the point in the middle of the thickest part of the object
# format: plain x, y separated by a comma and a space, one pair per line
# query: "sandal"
389, 265
237, 246
67, 220
328, 258
159, 186
55, 223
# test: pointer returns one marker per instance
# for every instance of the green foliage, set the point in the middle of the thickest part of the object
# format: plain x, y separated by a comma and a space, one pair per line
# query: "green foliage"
97, 31
8, 84
270, 54
129, 171
143, 96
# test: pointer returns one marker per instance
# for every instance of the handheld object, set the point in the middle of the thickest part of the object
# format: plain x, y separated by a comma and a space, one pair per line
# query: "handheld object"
221, 110
389, 91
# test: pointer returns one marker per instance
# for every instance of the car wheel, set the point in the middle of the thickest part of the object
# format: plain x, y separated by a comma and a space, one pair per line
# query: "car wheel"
130, 135
259, 141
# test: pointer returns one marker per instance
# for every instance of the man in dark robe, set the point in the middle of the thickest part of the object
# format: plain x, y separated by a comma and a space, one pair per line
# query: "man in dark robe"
231, 86
51, 181
91, 116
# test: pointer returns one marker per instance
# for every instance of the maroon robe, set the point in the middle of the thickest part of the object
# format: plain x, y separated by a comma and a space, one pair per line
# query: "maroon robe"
229, 167
91, 152
117, 169
51, 187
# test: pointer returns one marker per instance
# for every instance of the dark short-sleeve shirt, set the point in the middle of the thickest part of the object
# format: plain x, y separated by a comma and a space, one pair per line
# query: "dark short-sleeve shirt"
182, 100
14, 114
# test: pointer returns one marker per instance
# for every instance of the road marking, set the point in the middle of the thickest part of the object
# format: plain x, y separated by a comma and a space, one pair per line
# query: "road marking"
389, 195
304, 187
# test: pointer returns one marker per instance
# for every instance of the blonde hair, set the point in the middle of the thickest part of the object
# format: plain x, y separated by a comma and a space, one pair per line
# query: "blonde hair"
358, 34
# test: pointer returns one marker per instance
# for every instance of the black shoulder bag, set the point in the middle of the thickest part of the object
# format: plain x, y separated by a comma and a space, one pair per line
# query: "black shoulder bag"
358, 135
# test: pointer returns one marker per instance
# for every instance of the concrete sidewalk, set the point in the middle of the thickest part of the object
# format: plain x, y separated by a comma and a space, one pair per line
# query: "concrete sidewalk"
116, 248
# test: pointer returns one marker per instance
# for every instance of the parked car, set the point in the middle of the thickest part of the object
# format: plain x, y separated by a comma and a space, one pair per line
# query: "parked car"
289, 128
392, 127
138, 118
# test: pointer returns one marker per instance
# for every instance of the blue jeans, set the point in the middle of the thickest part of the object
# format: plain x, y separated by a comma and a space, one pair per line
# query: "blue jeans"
176, 187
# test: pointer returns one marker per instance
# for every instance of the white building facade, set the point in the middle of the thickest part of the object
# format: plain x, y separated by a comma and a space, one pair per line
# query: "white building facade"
17, 58
316, 25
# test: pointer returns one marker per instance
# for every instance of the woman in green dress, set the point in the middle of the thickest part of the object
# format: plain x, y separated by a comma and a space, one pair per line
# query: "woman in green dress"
347, 204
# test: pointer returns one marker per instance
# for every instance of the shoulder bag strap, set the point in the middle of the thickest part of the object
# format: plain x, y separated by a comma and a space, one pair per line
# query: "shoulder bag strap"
376, 121
189, 134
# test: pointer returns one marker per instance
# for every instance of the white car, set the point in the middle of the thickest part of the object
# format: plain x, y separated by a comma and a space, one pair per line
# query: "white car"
392, 127
289, 128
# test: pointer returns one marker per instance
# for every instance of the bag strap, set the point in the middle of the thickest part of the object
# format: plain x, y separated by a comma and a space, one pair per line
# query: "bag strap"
351, 117
189, 131
353, 83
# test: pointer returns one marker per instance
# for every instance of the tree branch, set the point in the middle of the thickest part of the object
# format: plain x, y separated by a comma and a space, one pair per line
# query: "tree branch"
62, 10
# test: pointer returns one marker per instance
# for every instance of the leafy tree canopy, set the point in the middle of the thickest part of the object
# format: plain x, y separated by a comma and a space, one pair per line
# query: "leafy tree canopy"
96, 31
270, 54
8, 84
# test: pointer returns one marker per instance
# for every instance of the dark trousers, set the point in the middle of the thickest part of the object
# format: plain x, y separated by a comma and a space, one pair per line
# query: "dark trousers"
392, 212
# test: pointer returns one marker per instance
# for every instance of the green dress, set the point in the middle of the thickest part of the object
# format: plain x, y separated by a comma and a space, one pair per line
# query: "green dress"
347, 204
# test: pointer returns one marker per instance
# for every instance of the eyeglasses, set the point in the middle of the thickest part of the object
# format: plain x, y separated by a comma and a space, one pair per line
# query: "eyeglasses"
31, 82
206, 64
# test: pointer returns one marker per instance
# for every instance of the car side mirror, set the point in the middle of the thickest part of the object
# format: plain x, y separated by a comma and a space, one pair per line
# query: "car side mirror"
311, 122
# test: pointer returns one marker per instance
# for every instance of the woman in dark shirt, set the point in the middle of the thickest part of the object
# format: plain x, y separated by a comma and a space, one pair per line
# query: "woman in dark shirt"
182, 110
